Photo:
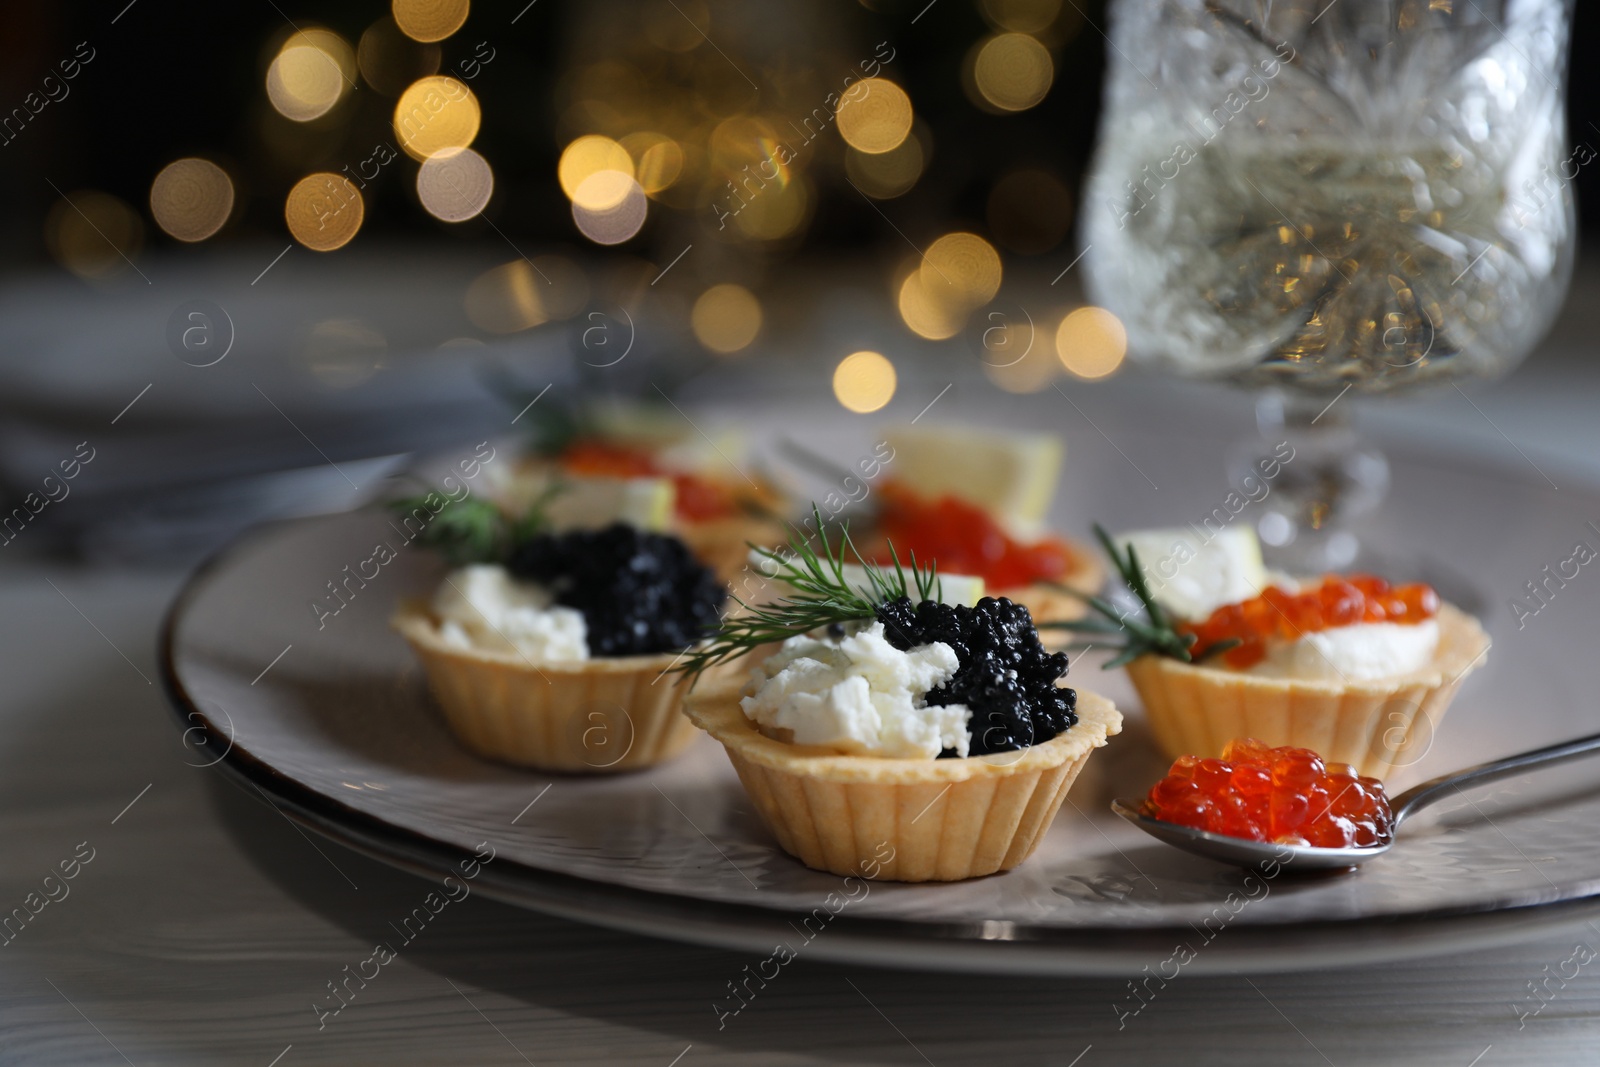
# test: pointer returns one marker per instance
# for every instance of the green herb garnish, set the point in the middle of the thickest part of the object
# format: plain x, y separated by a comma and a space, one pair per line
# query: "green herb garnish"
465, 531
476, 531
1154, 634
821, 596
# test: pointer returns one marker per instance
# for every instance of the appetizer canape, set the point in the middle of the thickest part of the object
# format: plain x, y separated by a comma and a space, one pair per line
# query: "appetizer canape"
1348, 666
1285, 795
717, 508
890, 717
975, 502
551, 649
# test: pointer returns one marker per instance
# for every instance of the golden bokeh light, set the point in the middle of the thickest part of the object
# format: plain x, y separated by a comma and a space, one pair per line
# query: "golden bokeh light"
1023, 16
587, 156
961, 269
609, 207
324, 211
435, 114
1012, 71
330, 43
775, 212
1031, 374
657, 160
726, 318
1030, 211
310, 74
924, 315
603, 190
191, 199
390, 61
886, 175
522, 294
455, 185
875, 115
1091, 342
864, 381
748, 159
429, 20
93, 234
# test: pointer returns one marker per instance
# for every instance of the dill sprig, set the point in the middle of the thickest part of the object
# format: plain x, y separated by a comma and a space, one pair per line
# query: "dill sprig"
1154, 634
822, 595
465, 531
477, 531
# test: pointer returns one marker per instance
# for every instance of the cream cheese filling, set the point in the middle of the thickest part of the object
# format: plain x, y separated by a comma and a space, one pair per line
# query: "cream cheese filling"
1359, 652
859, 695
483, 607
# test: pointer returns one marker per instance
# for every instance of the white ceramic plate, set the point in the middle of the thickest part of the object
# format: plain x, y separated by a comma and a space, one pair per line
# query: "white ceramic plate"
340, 732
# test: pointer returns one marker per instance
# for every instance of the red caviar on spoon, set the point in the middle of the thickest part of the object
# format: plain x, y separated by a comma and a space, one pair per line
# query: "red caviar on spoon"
1282, 795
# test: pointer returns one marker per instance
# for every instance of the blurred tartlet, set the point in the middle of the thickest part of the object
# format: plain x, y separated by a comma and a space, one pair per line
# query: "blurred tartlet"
552, 650
975, 502
679, 482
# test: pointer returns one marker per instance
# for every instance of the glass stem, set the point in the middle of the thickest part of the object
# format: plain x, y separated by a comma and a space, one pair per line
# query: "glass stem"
1321, 477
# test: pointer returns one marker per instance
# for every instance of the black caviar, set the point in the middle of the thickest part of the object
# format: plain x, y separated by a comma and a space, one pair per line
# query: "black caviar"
640, 592
1006, 678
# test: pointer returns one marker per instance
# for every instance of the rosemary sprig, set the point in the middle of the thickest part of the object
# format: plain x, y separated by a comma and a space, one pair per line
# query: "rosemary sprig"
822, 595
1154, 634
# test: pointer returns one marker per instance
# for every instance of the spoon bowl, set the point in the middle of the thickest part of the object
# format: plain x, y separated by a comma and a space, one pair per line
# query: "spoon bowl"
1242, 852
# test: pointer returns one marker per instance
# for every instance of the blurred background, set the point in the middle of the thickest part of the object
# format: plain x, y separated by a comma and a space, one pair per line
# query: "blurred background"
256, 254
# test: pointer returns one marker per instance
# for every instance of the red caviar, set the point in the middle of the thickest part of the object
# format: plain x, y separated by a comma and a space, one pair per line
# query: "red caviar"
698, 499
962, 538
1284, 616
1284, 795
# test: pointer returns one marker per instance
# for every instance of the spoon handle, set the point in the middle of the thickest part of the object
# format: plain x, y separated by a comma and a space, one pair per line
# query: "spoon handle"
1429, 792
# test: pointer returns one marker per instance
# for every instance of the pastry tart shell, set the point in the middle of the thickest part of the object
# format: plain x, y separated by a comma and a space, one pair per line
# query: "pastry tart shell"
593, 716
1379, 726
937, 820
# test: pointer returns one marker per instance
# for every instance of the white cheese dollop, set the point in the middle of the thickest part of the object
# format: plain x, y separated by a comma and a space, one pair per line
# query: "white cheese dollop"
1359, 652
859, 695
482, 606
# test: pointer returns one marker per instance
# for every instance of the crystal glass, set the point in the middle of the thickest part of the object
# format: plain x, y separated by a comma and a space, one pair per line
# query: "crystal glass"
1328, 197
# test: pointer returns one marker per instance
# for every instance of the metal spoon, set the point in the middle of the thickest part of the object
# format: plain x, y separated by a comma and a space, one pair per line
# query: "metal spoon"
1246, 853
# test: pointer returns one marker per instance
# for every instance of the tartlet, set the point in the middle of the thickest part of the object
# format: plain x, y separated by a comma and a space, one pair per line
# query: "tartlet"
960, 536
945, 820
553, 650
1268, 667
718, 514
595, 715
976, 501
887, 718
1374, 725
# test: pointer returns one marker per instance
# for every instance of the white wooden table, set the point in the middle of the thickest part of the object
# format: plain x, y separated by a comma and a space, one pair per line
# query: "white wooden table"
206, 925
